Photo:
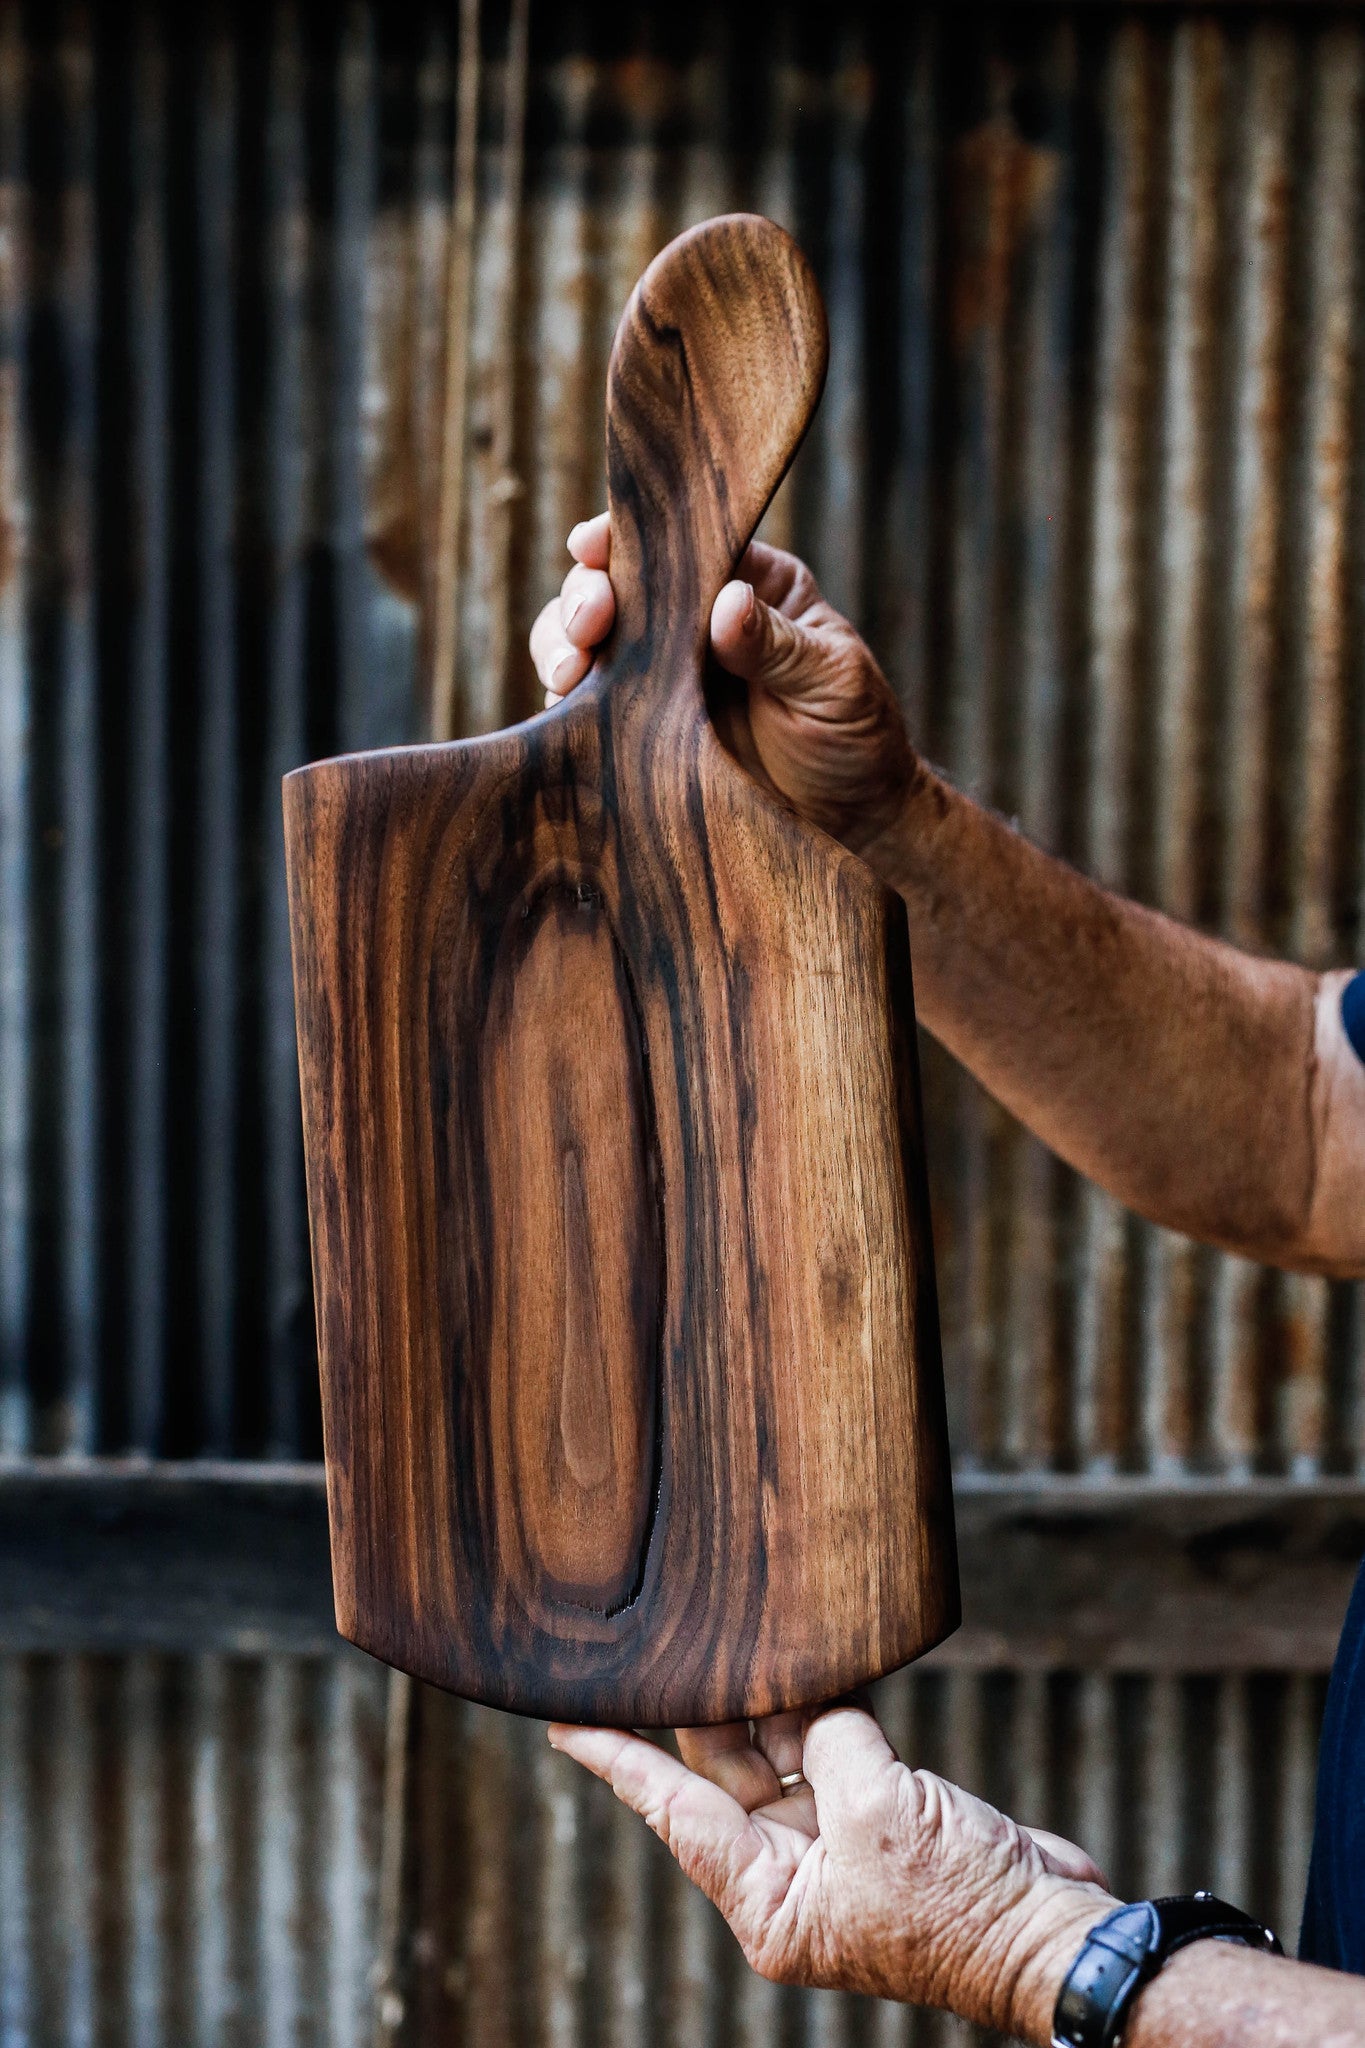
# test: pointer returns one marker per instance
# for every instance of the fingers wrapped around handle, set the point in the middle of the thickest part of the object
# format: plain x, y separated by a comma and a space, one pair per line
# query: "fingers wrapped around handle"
715, 374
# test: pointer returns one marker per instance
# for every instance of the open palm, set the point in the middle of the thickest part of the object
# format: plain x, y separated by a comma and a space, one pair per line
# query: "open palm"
867, 1875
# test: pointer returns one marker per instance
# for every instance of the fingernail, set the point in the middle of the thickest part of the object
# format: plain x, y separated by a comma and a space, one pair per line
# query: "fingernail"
572, 613
562, 669
748, 618
574, 532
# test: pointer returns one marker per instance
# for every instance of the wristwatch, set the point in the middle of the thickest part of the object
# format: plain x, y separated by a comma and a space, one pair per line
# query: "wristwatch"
1125, 1951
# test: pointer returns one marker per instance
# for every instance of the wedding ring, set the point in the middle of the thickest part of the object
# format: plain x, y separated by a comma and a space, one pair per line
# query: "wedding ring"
792, 1780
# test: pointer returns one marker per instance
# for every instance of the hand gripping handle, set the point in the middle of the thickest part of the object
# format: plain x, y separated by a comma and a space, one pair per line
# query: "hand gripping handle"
715, 374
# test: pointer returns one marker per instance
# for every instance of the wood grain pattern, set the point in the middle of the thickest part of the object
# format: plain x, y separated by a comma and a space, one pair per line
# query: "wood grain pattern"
632, 1390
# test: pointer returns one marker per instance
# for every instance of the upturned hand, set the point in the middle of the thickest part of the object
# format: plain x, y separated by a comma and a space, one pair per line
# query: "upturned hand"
866, 1877
823, 726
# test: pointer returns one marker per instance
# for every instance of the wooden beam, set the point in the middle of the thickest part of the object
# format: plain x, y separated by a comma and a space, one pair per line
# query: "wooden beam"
1119, 1575
1129, 1575
114, 1555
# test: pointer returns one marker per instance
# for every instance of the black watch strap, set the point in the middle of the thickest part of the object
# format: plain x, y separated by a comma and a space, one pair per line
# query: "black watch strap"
1125, 1951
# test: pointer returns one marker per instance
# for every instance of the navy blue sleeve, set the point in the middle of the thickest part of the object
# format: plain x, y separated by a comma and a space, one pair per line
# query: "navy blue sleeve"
1334, 1913
1335, 1907
1353, 1012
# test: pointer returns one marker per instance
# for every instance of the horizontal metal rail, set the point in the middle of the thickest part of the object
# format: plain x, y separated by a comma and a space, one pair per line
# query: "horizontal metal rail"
1057, 1573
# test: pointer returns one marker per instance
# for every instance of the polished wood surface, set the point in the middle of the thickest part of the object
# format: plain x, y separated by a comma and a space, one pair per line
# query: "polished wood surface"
631, 1381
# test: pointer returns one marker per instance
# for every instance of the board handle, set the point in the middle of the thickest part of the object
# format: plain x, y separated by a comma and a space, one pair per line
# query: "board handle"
715, 374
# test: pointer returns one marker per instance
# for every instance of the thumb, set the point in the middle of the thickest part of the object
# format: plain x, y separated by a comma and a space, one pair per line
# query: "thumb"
850, 1767
761, 645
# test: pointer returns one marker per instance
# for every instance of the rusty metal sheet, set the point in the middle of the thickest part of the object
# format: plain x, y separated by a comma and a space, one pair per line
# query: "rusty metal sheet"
1084, 471
1087, 473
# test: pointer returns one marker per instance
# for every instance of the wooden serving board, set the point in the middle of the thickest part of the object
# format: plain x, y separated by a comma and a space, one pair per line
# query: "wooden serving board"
630, 1364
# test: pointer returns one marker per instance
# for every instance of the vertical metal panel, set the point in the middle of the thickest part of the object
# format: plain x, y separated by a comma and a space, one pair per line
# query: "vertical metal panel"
1171, 1781
62, 386
1085, 469
212, 93
16, 777
140, 316
1114, 645
1030, 713
1183, 513
189, 1848
280, 599
1088, 473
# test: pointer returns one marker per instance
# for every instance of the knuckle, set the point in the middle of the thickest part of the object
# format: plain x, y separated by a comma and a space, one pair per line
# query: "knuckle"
805, 591
586, 603
921, 1799
793, 654
765, 1962
869, 1809
658, 1818
540, 636
775, 633
906, 1821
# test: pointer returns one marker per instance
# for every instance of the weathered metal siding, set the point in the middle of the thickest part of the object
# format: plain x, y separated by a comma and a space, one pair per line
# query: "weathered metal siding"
546, 1914
1089, 473
189, 1852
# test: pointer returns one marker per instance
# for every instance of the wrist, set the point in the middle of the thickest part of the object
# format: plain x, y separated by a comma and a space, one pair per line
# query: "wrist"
1042, 1940
901, 852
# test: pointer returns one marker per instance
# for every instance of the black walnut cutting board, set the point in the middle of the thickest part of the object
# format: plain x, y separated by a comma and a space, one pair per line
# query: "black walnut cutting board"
631, 1383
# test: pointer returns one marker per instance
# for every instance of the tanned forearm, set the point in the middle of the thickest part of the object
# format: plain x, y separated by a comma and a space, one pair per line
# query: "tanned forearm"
1210, 1995
1209, 1090
1213, 1996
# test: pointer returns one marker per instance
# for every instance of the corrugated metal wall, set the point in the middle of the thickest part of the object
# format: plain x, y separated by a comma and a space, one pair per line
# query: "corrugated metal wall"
1089, 473
189, 1853
188, 1850
557, 1919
